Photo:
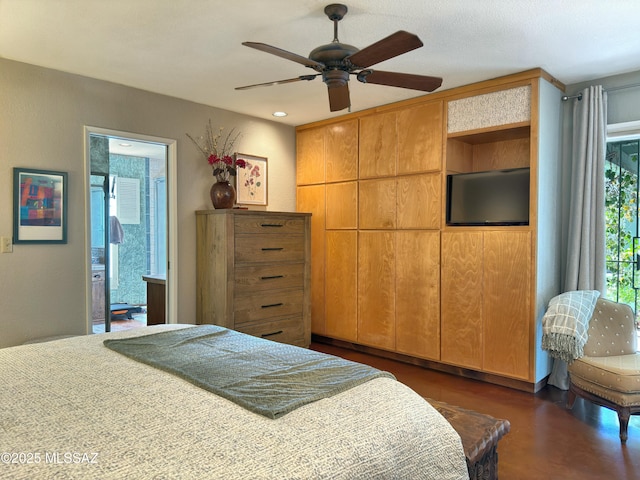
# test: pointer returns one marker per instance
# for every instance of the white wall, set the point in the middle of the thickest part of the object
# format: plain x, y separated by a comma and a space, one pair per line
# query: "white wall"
43, 113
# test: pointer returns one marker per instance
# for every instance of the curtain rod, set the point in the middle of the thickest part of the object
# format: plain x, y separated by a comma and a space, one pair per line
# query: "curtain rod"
612, 89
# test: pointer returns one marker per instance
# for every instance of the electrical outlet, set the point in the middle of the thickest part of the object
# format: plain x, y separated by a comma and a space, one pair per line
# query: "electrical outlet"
6, 246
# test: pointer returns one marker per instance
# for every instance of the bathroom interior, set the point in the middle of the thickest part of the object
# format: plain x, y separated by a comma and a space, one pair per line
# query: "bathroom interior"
128, 230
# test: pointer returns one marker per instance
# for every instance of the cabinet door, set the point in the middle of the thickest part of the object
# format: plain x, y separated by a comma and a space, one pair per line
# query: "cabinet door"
310, 156
341, 151
378, 145
376, 289
342, 205
312, 199
377, 204
507, 307
420, 136
462, 299
341, 289
418, 293
419, 201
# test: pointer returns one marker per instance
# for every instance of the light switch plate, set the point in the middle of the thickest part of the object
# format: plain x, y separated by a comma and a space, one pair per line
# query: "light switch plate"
6, 246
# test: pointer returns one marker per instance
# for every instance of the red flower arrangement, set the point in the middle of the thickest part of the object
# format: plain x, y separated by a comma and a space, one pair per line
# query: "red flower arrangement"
217, 151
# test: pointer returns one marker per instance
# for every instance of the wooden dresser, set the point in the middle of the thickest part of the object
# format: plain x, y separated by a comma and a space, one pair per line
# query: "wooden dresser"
253, 273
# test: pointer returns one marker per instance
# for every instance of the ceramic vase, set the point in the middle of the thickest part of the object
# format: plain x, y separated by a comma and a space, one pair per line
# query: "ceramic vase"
223, 195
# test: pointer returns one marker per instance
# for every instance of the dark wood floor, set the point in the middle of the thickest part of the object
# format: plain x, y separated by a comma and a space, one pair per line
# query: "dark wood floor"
546, 441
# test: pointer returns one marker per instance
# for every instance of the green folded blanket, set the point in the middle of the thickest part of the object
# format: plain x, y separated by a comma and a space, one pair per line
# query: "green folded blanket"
265, 377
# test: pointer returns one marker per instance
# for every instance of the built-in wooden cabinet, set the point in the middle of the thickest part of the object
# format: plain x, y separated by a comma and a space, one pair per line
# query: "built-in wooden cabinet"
377, 289
420, 130
310, 156
417, 290
341, 151
341, 286
486, 286
378, 145
468, 300
507, 298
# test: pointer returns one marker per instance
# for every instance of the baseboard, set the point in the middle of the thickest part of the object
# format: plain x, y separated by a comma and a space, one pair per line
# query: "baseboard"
433, 365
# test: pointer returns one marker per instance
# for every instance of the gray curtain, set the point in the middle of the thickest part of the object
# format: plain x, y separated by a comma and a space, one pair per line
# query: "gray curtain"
585, 267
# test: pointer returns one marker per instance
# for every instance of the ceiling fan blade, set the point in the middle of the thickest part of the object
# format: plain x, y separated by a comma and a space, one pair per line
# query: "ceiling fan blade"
278, 82
402, 80
284, 54
389, 47
339, 98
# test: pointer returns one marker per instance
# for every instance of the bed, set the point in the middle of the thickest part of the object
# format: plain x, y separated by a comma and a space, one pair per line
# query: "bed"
73, 408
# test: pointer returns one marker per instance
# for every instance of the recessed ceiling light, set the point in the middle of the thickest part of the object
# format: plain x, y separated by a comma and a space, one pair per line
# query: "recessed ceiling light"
125, 144
279, 114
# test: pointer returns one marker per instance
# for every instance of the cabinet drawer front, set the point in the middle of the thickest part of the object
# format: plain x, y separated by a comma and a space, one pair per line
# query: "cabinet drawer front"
288, 330
271, 224
269, 277
269, 248
280, 303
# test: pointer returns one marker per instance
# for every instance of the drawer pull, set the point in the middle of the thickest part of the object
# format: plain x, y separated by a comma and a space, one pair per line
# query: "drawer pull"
271, 225
272, 249
273, 305
264, 335
271, 277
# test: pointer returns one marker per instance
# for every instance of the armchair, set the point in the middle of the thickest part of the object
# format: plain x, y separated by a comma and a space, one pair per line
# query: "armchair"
609, 372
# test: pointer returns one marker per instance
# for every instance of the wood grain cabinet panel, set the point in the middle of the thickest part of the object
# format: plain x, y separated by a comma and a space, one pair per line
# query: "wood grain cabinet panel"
376, 289
486, 291
342, 205
418, 201
377, 204
507, 304
310, 162
418, 293
461, 310
420, 133
341, 151
341, 285
253, 273
378, 145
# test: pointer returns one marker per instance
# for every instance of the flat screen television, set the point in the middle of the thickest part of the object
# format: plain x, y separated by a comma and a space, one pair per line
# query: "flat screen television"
496, 197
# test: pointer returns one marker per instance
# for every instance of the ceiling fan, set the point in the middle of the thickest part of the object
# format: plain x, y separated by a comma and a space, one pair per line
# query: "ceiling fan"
336, 61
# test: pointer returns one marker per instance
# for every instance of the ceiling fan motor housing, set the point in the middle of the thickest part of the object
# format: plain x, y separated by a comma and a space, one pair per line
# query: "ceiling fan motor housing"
333, 54
336, 70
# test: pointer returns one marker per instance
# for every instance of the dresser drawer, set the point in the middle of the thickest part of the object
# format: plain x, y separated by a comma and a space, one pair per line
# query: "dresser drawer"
273, 224
264, 305
269, 277
288, 330
269, 248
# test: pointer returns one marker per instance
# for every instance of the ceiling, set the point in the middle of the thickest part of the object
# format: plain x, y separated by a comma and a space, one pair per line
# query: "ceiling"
191, 49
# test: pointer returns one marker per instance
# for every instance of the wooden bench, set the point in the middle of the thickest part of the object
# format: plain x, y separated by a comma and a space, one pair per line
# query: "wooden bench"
479, 434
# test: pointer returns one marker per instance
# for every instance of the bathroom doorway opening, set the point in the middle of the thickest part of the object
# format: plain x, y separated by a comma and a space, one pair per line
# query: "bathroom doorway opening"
130, 213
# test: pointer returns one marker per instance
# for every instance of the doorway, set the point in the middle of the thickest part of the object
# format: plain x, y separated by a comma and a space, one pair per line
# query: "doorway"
131, 198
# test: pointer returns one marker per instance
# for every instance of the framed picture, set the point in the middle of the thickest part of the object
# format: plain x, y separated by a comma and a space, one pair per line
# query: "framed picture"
251, 181
39, 206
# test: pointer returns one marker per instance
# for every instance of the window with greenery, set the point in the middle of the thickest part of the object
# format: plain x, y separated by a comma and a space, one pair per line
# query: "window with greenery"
621, 210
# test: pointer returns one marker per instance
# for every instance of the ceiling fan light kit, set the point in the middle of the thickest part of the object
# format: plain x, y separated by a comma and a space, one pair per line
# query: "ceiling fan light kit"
335, 61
